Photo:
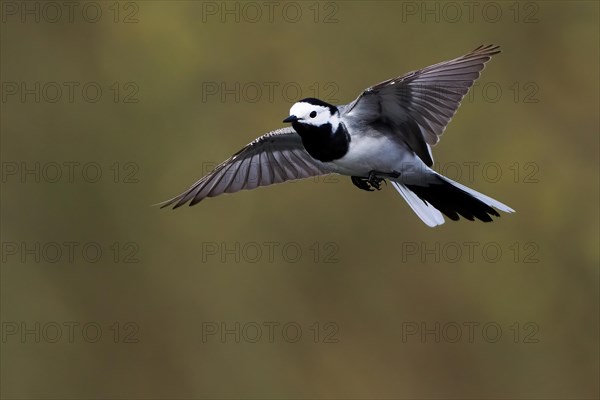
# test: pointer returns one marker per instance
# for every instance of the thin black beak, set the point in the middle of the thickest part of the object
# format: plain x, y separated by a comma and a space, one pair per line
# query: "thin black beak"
291, 118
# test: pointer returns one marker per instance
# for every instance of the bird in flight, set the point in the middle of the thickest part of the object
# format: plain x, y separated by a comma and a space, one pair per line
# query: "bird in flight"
386, 133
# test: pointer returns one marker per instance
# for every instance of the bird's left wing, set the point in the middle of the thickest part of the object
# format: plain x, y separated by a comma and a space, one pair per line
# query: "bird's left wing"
421, 103
275, 157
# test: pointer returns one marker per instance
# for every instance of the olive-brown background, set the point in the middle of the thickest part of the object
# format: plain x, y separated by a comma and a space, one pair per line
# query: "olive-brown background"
368, 270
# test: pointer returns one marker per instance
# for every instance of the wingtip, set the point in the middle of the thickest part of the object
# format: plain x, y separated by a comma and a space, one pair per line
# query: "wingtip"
489, 49
167, 203
163, 204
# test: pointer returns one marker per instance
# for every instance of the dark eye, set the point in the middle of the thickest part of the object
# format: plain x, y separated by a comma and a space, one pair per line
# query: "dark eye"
313, 114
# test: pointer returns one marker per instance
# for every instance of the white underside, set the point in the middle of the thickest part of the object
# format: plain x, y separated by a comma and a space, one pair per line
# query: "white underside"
368, 153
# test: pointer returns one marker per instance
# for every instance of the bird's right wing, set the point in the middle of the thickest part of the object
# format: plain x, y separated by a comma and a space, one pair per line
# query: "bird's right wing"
275, 157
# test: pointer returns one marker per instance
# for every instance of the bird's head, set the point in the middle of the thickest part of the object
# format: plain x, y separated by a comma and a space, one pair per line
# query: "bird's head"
312, 112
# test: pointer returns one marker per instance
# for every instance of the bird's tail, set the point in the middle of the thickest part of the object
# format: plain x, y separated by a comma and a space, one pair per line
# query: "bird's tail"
444, 196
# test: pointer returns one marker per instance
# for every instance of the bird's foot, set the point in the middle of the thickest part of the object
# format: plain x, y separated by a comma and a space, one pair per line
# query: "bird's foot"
373, 181
361, 183
376, 177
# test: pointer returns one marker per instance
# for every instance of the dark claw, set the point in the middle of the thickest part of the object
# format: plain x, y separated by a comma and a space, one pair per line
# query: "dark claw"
374, 180
361, 183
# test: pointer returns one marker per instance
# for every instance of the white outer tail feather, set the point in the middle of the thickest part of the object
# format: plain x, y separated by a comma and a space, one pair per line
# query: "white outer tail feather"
428, 214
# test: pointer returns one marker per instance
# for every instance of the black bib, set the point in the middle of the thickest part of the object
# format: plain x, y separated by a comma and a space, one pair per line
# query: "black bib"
322, 143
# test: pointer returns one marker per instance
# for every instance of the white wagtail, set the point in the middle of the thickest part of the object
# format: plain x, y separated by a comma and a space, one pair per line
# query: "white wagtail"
386, 133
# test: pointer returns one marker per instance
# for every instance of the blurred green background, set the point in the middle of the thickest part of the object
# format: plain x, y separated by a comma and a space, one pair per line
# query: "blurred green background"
363, 299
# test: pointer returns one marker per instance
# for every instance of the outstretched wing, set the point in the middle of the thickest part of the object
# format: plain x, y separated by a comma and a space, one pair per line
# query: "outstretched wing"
421, 103
275, 157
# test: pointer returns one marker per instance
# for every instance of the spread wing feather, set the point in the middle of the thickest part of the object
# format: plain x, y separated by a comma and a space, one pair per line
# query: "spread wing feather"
275, 157
428, 97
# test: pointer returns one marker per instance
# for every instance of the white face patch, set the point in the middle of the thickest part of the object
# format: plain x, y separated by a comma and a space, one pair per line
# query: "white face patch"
311, 114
